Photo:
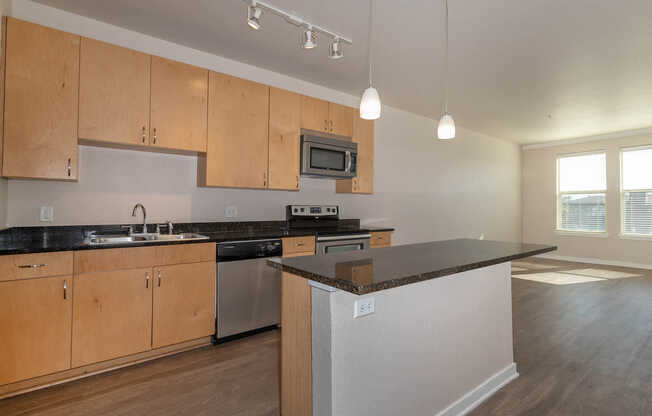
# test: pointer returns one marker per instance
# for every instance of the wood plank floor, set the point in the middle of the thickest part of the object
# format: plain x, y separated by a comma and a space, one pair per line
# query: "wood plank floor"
583, 345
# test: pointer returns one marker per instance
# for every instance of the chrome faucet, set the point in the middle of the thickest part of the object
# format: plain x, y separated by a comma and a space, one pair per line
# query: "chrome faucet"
133, 214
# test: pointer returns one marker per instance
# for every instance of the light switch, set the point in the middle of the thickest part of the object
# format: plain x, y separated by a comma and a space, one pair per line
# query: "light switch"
47, 214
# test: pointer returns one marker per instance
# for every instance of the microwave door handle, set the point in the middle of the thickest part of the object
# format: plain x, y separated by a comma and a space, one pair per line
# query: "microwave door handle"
348, 162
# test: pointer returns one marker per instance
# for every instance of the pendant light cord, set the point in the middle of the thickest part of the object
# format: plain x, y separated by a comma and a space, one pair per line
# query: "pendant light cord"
369, 55
446, 58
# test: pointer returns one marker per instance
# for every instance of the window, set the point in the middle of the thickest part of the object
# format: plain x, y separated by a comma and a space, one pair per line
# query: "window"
581, 193
636, 191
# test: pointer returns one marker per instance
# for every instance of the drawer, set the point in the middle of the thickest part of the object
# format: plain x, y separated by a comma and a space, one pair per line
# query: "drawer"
29, 266
293, 246
381, 239
87, 261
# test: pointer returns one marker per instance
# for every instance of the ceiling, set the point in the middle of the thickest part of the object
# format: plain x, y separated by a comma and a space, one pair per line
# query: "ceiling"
527, 71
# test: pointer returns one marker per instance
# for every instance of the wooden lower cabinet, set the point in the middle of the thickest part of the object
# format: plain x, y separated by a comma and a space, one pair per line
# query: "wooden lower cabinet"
112, 315
184, 303
35, 319
380, 239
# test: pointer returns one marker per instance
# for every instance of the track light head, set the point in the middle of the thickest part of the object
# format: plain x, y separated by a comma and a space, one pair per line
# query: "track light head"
253, 16
335, 49
308, 38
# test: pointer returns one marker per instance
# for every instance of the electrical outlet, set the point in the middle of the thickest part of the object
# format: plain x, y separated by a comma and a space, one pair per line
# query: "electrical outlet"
363, 307
231, 211
481, 236
47, 214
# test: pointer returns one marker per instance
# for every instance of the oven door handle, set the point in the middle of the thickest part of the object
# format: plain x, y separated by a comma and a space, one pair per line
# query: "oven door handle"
348, 162
344, 237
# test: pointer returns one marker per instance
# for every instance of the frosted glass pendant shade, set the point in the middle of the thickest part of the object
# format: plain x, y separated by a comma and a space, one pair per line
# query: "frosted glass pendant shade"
370, 104
446, 127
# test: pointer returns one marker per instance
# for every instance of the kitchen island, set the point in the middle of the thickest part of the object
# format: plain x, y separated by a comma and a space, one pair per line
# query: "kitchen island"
422, 329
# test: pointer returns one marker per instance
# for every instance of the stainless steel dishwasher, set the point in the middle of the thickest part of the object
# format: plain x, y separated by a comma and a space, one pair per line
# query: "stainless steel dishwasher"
248, 290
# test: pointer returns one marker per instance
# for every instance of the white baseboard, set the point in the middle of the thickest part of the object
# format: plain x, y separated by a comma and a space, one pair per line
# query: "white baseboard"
596, 261
475, 397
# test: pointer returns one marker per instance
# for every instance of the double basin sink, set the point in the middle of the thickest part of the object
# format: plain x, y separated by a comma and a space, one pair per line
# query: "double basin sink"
107, 239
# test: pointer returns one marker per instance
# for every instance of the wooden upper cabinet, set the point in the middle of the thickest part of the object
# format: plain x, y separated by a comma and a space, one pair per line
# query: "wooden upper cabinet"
35, 327
237, 148
314, 114
340, 119
179, 105
112, 315
363, 183
41, 101
184, 303
284, 128
114, 93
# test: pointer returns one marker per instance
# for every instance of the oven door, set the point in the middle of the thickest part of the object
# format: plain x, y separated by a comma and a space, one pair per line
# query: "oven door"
341, 244
325, 159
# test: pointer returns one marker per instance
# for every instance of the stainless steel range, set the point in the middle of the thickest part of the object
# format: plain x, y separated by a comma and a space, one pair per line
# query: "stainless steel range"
332, 237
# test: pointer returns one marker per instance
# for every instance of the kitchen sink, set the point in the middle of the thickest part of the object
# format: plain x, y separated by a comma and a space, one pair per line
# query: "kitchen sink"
107, 239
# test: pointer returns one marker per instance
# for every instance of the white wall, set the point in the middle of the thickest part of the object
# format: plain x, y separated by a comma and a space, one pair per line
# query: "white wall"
426, 346
539, 204
425, 188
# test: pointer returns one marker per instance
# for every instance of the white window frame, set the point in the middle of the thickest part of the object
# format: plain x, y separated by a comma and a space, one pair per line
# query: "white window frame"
587, 233
623, 234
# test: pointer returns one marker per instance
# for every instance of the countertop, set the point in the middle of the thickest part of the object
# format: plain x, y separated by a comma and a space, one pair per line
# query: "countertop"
25, 240
362, 272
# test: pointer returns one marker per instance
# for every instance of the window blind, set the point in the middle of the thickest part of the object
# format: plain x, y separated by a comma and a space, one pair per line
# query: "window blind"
581, 193
636, 176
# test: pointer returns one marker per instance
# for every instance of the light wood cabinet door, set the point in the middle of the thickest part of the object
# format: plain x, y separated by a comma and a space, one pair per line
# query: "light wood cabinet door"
236, 152
112, 315
179, 105
314, 114
363, 183
35, 321
114, 93
340, 119
41, 102
184, 303
284, 130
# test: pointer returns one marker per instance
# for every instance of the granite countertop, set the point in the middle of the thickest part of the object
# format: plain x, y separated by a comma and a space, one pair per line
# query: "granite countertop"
362, 272
25, 240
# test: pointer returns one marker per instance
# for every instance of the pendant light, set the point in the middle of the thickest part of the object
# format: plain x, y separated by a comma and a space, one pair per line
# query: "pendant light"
370, 103
446, 127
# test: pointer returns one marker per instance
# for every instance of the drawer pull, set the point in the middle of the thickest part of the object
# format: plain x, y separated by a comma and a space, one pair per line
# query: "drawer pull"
301, 244
32, 266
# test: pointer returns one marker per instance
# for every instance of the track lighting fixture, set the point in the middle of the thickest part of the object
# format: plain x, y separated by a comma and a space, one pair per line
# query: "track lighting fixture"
308, 39
335, 49
253, 16
308, 31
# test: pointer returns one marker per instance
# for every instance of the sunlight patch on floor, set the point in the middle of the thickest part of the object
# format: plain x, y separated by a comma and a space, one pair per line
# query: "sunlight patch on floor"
532, 266
556, 278
602, 273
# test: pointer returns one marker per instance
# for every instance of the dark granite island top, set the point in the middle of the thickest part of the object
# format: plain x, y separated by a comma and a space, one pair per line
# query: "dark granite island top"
363, 272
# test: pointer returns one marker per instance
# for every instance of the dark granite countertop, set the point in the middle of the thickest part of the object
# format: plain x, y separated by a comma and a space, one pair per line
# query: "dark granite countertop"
362, 272
24, 240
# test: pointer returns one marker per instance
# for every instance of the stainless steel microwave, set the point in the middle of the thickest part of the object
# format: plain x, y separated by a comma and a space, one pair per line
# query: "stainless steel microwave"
328, 155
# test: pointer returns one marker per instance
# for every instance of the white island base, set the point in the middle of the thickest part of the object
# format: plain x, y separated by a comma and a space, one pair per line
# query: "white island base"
436, 347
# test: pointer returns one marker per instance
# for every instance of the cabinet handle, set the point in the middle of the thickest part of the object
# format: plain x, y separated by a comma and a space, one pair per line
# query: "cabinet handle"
325, 125
65, 289
69, 167
264, 178
297, 181
159, 278
301, 244
154, 135
144, 134
146, 280
32, 266
331, 125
